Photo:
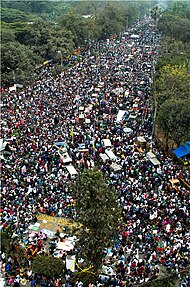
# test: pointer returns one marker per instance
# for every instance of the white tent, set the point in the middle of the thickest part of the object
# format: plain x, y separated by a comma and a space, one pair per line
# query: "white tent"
116, 167
106, 142
71, 169
66, 246
134, 36
141, 139
110, 154
94, 95
104, 157
2, 145
65, 156
152, 157
120, 115
127, 130
70, 263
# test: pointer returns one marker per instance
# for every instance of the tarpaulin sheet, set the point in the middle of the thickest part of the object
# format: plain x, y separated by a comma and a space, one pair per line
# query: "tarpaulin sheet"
182, 150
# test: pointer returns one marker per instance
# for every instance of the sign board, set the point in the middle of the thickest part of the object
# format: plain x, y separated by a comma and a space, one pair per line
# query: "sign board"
70, 263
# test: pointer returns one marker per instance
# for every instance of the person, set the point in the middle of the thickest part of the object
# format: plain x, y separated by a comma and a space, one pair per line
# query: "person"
33, 283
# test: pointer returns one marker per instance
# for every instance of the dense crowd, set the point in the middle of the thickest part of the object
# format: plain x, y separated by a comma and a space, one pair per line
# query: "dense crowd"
77, 109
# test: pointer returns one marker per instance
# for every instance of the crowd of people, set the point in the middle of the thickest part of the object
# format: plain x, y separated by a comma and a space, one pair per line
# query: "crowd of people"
78, 108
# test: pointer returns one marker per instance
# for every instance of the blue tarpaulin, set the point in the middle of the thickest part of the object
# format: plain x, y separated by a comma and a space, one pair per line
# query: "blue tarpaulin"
182, 150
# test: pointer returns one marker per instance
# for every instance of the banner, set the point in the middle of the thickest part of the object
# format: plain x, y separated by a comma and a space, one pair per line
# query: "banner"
70, 263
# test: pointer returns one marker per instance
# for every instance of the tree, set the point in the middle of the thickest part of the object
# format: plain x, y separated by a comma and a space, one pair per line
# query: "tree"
48, 266
174, 52
110, 21
7, 35
9, 238
17, 62
175, 27
173, 82
174, 118
79, 26
98, 213
155, 13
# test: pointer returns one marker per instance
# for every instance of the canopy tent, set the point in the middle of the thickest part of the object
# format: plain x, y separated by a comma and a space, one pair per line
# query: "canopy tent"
141, 139
106, 142
120, 115
71, 170
64, 144
116, 167
127, 130
134, 36
110, 153
65, 156
174, 182
2, 144
103, 156
66, 246
183, 150
152, 157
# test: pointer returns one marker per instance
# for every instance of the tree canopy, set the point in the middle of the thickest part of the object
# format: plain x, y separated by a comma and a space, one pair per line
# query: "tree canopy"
173, 82
98, 213
48, 266
46, 27
172, 79
173, 118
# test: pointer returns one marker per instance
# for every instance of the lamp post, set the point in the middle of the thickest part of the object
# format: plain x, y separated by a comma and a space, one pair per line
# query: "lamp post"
61, 56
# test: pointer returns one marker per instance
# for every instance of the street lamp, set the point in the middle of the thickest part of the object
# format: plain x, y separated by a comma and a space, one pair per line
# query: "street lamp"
61, 56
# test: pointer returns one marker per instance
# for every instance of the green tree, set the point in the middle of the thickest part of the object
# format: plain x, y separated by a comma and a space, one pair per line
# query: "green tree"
98, 213
180, 8
110, 21
173, 82
174, 118
7, 35
17, 62
8, 239
79, 26
13, 15
173, 52
155, 13
175, 27
48, 266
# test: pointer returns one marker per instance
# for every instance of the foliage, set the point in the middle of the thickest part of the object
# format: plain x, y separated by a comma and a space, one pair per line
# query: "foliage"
155, 13
23, 24
173, 82
97, 211
175, 27
48, 266
17, 62
173, 117
48, 10
13, 15
9, 238
7, 35
110, 21
174, 52
80, 27
180, 8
